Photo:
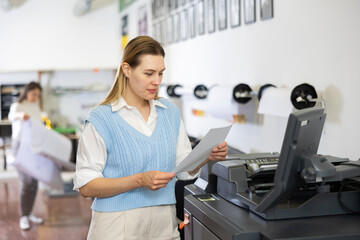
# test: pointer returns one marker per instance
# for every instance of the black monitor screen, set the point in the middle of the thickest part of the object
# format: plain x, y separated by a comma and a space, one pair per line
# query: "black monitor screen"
302, 136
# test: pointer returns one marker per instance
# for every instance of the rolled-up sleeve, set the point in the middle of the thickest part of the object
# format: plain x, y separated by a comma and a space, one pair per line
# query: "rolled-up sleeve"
183, 149
13, 111
91, 157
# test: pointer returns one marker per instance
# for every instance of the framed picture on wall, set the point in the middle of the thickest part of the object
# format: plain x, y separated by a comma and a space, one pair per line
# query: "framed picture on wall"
191, 20
183, 24
249, 11
172, 4
222, 14
175, 4
200, 16
157, 9
235, 13
163, 32
169, 32
159, 32
266, 9
124, 31
142, 21
168, 6
211, 16
153, 9
164, 7
154, 34
176, 27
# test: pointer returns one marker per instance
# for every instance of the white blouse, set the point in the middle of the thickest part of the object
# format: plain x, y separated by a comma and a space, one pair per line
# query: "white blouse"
91, 154
16, 113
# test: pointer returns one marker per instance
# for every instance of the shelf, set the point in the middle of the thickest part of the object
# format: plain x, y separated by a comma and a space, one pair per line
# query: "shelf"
9, 93
71, 90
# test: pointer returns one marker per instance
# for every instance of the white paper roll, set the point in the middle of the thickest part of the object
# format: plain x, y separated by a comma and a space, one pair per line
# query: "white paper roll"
183, 91
276, 101
221, 103
162, 92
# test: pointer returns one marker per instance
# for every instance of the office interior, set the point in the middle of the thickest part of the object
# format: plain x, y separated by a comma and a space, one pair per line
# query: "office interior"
73, 47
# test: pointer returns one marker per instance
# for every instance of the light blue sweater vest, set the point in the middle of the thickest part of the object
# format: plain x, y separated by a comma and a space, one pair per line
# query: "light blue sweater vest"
130, 152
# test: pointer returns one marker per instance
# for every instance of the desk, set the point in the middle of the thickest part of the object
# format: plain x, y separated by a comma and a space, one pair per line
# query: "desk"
5, 132
221, 219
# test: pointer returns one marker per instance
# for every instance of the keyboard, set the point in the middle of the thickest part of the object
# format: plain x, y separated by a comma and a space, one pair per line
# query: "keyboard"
261, 164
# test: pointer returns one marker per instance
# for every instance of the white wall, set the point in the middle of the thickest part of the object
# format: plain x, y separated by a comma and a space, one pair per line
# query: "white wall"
307, 41
46, 35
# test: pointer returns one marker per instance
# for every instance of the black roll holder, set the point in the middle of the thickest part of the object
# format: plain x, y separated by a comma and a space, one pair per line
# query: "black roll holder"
242, 93
177, 90
305, 96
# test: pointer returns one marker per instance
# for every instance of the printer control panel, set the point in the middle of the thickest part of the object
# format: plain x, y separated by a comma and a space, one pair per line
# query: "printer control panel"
261, 164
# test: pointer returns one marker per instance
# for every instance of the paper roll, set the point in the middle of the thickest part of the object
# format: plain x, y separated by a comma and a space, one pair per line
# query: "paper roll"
276, 101
221, 103
162, 92
183, 91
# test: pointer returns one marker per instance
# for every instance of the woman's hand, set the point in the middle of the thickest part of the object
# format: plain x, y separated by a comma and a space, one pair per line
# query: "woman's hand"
25, 116
219, 152
107, 187
154, 180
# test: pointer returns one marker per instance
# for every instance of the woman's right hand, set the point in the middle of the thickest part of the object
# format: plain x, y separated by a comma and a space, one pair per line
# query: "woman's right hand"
154, 180
25, 116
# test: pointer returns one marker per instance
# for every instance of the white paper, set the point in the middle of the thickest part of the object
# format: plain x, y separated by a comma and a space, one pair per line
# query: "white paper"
198, 155
38, 166
221, 103
275, 101
51, 144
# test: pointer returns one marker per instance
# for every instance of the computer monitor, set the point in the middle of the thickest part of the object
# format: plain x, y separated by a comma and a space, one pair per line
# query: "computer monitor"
302, 137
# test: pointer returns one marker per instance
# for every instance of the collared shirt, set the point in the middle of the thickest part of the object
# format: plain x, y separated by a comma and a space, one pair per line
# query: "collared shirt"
16, 113
91, 155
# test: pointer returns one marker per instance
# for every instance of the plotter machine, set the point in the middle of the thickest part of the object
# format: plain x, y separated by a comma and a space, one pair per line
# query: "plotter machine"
297, 194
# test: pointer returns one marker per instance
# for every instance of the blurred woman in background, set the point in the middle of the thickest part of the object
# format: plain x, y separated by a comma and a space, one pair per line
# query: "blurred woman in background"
27, 106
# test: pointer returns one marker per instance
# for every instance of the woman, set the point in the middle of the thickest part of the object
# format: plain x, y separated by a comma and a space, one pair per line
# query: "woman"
130, 144
26, 107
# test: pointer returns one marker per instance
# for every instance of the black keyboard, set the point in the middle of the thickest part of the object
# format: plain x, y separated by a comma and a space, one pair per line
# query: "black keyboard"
263, 160
261, 164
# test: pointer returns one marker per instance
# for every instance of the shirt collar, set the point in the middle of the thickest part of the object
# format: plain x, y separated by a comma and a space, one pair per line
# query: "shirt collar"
121, 103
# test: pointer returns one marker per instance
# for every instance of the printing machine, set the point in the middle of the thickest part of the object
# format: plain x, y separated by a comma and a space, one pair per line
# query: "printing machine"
297, 194
221, 213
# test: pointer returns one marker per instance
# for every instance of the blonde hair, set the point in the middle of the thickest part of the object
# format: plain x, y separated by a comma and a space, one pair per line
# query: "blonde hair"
136, 48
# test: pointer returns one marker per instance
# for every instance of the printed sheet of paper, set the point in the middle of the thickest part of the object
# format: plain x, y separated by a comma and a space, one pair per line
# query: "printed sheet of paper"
214, 137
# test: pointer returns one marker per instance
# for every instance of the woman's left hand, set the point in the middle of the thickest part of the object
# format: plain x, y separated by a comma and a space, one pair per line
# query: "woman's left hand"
219, 152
